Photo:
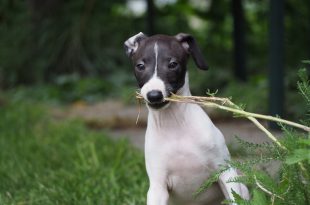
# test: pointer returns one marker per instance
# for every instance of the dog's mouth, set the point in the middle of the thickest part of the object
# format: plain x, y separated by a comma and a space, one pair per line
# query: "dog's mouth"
158, 105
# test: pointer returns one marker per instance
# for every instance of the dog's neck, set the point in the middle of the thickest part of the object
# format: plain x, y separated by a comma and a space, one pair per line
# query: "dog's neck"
174, 114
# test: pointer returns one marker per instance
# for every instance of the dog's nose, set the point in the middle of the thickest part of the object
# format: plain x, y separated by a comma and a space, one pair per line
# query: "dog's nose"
155, 96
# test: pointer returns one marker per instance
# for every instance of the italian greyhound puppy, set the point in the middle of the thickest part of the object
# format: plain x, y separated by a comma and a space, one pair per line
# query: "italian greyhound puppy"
182, 145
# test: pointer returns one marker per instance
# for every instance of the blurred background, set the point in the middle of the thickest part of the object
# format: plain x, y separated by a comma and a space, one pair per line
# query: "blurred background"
73, 50
68, 113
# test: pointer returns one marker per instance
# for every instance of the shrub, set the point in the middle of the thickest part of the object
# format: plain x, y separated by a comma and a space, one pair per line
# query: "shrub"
291, 182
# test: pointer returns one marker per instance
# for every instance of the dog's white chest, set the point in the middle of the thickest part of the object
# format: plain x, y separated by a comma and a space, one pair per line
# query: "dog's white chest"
183, 153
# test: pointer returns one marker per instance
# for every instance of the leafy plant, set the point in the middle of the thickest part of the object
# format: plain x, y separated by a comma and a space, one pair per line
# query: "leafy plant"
291, 183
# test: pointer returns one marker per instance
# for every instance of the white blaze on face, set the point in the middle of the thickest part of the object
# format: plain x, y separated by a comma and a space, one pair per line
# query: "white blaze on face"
156, 58
155, 83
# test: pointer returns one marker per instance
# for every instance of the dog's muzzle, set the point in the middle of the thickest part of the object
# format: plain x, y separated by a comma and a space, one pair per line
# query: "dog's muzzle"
155, 99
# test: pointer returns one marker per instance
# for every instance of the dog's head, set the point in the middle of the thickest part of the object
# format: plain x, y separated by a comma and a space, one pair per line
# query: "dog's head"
160, 64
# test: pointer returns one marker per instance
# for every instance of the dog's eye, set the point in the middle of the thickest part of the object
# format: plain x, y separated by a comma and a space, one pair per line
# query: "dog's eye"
172, 65
140, 67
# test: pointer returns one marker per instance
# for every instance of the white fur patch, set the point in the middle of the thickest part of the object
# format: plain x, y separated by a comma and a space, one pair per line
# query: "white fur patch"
155, 83
156, 58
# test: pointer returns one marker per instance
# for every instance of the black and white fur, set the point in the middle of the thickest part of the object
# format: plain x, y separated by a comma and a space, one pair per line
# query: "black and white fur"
182, 145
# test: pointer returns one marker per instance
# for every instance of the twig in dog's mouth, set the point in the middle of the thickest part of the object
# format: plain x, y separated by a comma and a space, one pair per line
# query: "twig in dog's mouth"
227, 105
139, 111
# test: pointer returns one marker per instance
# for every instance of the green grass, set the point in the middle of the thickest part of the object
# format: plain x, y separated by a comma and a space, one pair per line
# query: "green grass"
44, 161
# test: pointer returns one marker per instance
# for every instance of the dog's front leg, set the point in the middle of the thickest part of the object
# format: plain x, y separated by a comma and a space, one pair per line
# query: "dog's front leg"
227, 187
157, 195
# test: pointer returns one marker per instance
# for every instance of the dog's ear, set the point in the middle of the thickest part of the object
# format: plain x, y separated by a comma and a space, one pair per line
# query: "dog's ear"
189, 44
132, 44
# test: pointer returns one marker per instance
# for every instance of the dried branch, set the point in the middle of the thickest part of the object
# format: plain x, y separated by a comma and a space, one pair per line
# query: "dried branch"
227, 105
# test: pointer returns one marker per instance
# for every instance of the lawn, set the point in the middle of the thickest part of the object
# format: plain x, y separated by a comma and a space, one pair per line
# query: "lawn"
47, 161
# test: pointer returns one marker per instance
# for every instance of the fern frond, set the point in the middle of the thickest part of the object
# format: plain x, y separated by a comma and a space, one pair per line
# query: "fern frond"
304, 85
214, 177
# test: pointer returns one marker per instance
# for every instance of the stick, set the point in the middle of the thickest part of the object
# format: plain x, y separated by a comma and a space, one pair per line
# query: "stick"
227, 105
232, 108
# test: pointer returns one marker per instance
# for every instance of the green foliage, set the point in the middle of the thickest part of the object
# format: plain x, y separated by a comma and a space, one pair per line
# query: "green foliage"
259, 198
303, 86
298, 155
212, 178
41, 41
290, 185
57, 38
71, 88
47, 162
248, 93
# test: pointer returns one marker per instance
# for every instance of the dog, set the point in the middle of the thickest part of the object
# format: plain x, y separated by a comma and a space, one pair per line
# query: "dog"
182, 145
